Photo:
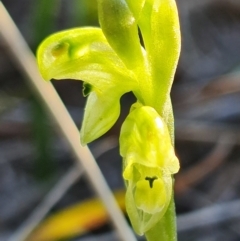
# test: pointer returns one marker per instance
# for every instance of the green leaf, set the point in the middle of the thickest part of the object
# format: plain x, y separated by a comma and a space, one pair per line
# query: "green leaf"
85, 54
120, 28
149, 162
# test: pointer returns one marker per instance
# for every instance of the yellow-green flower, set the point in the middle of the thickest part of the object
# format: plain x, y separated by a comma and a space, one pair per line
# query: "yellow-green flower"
149, 162
84, 54
112, 61
136, 49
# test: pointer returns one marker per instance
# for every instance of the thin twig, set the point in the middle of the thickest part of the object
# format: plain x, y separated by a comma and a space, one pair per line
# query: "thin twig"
56, 193
49, 201
26, 63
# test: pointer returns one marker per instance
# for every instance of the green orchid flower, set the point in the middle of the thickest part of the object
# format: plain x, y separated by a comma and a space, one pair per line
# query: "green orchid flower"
136, 49
112, 60
149, 162
84, 54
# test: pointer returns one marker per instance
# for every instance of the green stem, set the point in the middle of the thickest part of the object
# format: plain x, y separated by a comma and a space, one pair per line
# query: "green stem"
165, 229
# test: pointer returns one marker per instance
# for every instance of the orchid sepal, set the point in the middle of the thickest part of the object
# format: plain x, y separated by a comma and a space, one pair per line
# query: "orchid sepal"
84, 54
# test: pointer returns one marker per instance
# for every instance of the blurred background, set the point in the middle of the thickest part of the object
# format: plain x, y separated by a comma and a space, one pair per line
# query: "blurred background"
34, 158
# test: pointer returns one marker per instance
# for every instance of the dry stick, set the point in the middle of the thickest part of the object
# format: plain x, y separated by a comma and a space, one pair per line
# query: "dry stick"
26, 62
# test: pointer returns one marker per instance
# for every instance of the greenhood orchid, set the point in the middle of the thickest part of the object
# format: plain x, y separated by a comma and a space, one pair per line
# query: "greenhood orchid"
149, 162
136, 49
